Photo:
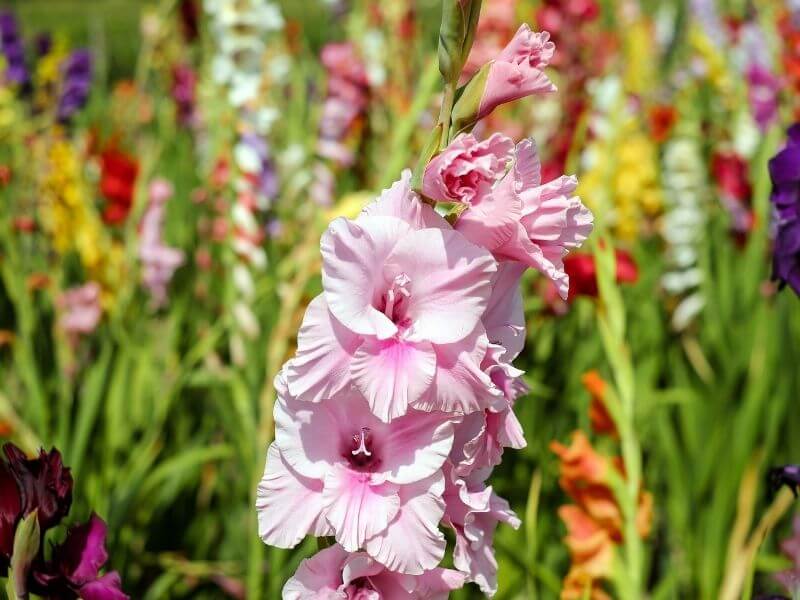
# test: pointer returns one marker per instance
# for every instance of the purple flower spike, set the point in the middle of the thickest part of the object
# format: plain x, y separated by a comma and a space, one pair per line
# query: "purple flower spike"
12, 49
76, 84
784, 169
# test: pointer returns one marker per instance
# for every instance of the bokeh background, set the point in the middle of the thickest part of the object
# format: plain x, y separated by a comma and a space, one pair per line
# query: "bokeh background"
141, 336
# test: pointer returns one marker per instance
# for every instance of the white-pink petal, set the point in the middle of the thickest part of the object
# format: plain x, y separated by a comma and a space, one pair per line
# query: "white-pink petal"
393, 373
412, 543
353, 256
280, 491
450, 282
358, 507
415, 446
325, 349
318, 577
401, 202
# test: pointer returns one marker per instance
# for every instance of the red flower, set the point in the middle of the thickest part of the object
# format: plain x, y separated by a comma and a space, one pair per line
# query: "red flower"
662, 118
582, 273
117, 181
730, 173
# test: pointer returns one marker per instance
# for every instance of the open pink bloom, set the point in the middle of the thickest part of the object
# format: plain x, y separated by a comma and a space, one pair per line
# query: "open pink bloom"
526, 221
473, 510
375, 486
334, 574
518, 71
400, 314
467, 168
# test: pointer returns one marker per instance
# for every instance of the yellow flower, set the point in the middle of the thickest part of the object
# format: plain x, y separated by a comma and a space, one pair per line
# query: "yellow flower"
621, 183
72, 222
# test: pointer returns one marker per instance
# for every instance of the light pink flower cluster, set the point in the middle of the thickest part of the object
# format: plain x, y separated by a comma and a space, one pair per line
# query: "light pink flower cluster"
347, 98
159, 261
400, 399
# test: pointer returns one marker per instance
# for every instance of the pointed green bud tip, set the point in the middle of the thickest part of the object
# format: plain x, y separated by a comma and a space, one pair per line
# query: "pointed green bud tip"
456, 34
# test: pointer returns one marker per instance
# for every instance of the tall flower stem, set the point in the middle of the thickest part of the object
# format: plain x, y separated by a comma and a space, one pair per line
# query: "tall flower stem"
611, 322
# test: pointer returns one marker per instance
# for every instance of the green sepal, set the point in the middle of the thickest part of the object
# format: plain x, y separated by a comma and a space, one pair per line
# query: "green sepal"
428, 152
465, 111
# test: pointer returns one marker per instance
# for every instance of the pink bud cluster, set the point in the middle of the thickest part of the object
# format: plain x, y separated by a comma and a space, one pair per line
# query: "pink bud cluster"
400, 399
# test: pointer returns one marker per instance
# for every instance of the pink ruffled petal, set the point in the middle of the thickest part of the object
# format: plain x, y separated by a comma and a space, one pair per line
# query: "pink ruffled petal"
401, 202
305, 433
492, 220
460, 385
353, 256
415, 446
358, 508
412, 543
318, 577
325, 349
392, 373
450, 282
504, 318
280, 492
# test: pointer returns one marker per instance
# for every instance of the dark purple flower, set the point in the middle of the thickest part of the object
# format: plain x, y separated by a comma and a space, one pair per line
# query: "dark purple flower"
43, 43
74, 570
12, 49
75, 84
9, 515
784, 169
44, 483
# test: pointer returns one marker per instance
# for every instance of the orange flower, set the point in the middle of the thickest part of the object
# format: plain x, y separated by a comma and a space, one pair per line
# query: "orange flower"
599, 416
584, 476
5, 429
594, 522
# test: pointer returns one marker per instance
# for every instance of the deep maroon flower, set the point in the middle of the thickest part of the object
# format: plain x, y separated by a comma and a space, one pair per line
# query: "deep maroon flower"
9, 515
44, 483
74, 570
784, 169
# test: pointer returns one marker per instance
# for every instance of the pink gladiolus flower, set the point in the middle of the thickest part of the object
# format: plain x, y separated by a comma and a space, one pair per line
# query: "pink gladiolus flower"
481, 436
376, 486
525, 221
467, 169
81, 309
334, 574
473, 511
159, 261
399, 317
518, 71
